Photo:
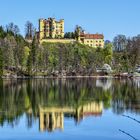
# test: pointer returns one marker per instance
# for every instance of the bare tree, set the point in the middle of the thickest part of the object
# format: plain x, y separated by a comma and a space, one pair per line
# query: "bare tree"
16, 30
29, 30
120, 42
12, 28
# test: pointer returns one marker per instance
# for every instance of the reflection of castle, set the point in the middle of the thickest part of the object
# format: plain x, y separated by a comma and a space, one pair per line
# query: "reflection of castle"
53, 118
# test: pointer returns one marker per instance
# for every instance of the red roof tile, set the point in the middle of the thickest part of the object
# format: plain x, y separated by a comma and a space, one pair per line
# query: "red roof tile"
92, 36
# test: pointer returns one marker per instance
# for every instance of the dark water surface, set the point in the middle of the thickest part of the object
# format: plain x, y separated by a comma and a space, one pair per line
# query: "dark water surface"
72, 109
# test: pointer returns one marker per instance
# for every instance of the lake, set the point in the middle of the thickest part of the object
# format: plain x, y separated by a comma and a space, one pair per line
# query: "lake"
60, 109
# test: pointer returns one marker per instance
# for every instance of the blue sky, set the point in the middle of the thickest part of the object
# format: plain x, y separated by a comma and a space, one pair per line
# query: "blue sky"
110, 17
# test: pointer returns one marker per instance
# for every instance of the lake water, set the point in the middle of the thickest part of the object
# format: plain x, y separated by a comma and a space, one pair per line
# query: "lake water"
54, 109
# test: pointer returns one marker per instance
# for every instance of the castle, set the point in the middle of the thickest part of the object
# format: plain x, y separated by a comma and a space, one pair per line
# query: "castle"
93, 40
50, 28
52, 31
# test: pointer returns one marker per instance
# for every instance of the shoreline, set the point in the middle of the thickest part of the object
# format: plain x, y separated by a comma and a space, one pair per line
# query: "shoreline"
69, 77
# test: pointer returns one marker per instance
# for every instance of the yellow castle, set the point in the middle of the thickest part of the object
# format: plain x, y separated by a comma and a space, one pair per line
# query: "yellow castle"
52, 31
93, 40
50, 28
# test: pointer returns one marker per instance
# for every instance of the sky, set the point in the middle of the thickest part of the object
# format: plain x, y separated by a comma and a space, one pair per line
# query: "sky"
110, 17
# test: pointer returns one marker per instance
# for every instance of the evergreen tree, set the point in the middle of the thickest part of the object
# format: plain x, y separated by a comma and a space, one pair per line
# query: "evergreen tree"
29, 64
1, 63
34, 52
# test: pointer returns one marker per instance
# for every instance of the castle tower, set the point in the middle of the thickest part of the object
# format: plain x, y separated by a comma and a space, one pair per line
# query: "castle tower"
50, 28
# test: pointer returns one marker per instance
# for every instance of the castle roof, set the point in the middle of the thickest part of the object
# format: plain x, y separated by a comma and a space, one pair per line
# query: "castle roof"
92, 36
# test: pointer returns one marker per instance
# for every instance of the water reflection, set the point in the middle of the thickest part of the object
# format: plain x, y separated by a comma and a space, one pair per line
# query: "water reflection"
52, 118
104, 83
50, 101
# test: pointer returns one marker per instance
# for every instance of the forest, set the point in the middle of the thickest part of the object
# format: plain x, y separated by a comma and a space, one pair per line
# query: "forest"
20, 57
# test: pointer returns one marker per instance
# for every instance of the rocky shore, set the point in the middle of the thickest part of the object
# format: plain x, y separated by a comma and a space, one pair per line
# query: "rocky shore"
117, 76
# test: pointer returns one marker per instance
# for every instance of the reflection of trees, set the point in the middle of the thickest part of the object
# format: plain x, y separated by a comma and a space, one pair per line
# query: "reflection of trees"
12, 101
25, 96
126, 96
